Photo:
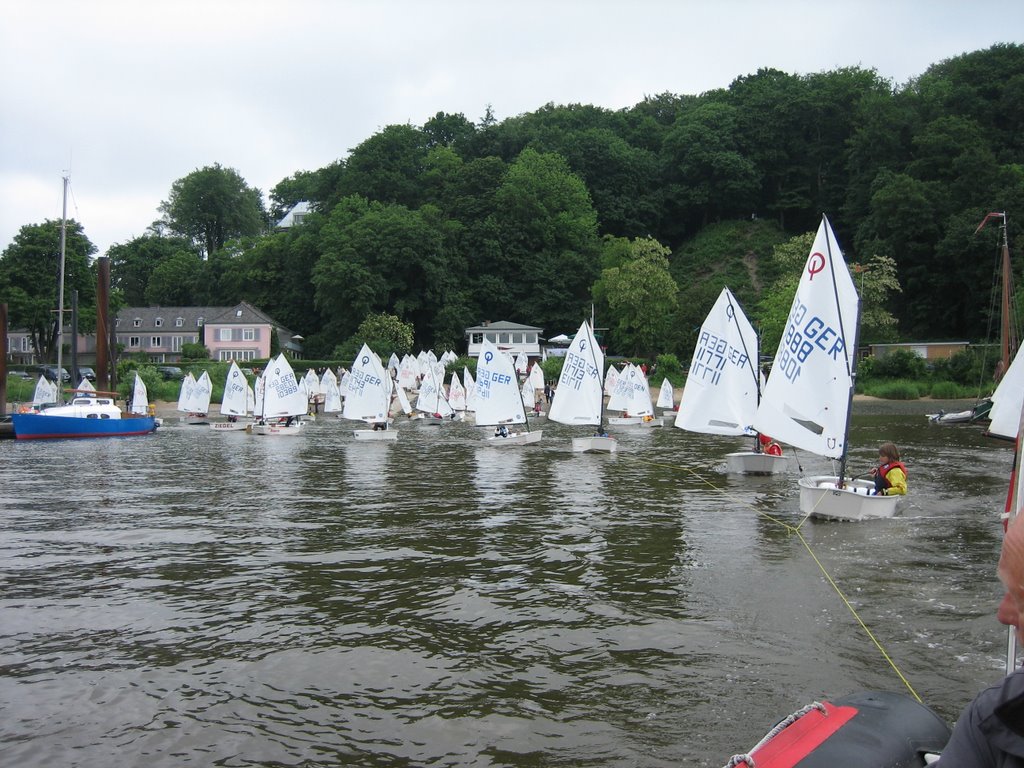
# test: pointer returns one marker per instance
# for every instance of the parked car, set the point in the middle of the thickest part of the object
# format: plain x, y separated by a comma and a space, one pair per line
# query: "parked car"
170, 372
86, 372
20, 375
50, 372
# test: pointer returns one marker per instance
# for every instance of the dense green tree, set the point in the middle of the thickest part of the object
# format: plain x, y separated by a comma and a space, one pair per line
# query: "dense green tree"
641, 298
385, 334
174, 280
776, 146
386, 167
546, 232
132, 263
213, 205
379, 257
707, 176
30, 282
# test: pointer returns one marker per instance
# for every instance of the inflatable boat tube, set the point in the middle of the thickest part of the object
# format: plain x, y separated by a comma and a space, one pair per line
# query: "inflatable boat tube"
873, 729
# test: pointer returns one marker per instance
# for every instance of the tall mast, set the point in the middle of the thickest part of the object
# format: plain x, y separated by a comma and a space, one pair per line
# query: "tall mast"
1009, 341
60, 290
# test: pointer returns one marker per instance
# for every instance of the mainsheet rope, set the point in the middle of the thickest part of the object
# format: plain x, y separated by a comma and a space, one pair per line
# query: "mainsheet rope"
795, 530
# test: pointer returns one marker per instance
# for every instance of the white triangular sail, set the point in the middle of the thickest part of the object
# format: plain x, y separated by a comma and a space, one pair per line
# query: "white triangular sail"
188, 384
199, 401
257, 394
85, 387
529, 395
432, 398
235, 390
332, 394
807, 398
282, 395
721, 390
470, 385
456, 394
579, 397
368, 393
1007, 400
666, 395
497, 389
537, 376
250, 399
140, 397
619, 396
522, 363
403, 400
45, 392
610, 379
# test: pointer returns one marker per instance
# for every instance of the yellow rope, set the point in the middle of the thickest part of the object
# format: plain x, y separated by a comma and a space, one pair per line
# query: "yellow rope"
799, 534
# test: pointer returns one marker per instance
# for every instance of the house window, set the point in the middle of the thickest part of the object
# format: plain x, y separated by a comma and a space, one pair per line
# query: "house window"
224, 334
477, 338
517, 338
26, 344
248, 334
158, 322
176, 343
137, 323
156, 341
199, 322
133, 342
237, 354
503, 338
117, 321
179, 322
531, 338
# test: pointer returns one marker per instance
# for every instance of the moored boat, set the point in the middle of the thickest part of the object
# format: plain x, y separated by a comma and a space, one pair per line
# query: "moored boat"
83, 417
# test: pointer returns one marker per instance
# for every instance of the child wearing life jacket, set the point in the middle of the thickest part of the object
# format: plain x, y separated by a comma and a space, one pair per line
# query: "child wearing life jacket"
890, 475
769, 446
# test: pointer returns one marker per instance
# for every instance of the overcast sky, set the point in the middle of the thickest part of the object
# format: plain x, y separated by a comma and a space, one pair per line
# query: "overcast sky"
130, 96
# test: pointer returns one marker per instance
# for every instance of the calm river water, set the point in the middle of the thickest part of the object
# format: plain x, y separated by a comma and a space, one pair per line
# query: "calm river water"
191, 598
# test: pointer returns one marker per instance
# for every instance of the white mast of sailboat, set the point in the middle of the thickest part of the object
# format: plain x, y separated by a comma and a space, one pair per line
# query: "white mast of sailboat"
60, 292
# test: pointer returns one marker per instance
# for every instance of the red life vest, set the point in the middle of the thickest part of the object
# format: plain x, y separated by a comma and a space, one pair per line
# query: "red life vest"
884, 470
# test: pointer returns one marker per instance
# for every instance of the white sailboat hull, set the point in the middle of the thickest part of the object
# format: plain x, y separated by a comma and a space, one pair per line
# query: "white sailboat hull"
820, 497
380, 435
750, 463
595, 443
515, 438
229, 426
197, 419
637, 421
277, 430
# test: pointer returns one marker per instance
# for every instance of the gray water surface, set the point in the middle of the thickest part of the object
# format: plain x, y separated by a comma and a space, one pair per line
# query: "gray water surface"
190, 598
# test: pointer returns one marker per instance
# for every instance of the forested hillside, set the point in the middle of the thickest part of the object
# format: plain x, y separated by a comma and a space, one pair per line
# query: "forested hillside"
646, 211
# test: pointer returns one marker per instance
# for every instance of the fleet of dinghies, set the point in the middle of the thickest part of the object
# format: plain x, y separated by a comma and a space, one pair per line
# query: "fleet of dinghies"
805, 402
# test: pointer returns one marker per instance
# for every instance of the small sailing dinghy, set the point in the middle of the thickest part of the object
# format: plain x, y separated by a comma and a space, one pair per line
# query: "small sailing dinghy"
666, 398
499, 403
632, 396
283, 402
580, 398
368, 397
233, 403
723, 386
809, 394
